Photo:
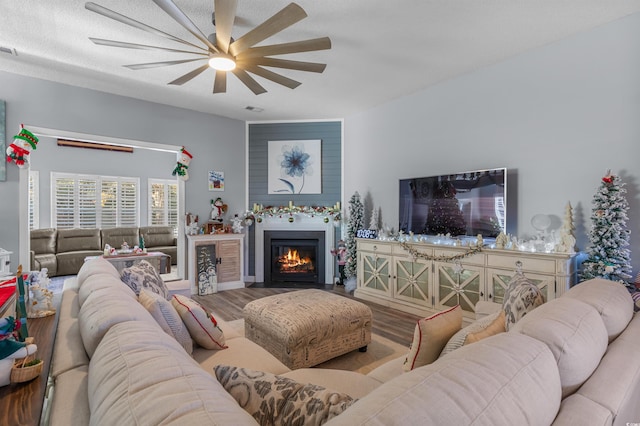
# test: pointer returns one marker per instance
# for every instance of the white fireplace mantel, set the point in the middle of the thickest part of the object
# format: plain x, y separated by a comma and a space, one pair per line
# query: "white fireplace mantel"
301, 223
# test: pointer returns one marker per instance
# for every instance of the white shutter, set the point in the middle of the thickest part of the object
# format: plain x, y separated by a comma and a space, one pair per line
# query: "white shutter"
128, 203
173, 207
162, 204
64, 202
34, 199
109, 204
87, 193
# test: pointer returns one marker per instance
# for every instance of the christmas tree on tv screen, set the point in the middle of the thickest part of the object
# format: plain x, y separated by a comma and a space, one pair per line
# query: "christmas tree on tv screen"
445, 216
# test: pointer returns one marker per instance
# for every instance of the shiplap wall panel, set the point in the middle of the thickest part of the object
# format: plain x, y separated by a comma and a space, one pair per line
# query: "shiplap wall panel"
259, 135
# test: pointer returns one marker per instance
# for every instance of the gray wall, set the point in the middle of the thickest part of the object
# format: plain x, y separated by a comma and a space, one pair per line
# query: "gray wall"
329, 132
141, 163
217, 143
557, 117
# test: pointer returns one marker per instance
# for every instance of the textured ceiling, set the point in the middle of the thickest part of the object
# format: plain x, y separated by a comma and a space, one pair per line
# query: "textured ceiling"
381, 50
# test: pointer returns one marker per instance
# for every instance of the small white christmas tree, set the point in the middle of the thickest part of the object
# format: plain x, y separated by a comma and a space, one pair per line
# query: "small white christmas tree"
567, 240
608, 237
356, 221
375, 219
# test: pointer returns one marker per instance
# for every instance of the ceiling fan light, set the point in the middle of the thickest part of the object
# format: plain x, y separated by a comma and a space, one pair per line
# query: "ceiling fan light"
222, 62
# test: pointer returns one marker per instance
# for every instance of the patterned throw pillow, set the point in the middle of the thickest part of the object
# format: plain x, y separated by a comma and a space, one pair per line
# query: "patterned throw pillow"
521, 296
636, 300
202, 326
457, 340
167, 317
430, 336
144, 275
276, 400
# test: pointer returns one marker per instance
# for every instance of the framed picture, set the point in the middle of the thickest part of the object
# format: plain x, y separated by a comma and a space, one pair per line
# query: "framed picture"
3, 164
216, 181
295, 167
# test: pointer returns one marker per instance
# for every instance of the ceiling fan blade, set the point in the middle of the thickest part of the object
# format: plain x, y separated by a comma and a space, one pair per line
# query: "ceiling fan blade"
136, 24
174, 11
278, 22
225, 11
114, 43
161, 64
249, 81
322, 43
283, 63
270, 75
188, 76
220, 83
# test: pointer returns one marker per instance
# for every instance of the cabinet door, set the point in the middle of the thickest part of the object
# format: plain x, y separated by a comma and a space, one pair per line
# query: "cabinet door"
413, 281
458, 284
498, 281
228, 254
375, 272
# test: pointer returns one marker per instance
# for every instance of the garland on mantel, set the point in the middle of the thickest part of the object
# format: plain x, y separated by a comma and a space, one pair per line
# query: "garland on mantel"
440, 258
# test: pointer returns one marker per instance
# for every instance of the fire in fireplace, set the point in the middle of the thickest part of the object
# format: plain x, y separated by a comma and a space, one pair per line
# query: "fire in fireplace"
294, 256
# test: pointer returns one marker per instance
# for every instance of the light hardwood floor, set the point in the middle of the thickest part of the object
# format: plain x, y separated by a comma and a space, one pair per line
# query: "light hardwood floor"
387, 322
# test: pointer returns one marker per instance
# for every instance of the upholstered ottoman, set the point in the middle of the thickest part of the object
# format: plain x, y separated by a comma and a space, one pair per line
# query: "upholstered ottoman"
306, 327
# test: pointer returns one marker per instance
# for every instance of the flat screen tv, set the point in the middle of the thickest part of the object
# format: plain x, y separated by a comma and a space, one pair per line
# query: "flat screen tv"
459, 204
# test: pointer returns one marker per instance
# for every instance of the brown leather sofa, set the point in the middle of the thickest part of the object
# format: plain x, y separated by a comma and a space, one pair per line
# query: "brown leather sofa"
62, 251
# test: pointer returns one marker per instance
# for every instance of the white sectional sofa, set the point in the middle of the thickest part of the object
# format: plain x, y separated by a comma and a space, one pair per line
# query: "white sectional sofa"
573, 360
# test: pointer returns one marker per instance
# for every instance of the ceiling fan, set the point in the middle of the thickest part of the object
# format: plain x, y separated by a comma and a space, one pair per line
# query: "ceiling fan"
220, 51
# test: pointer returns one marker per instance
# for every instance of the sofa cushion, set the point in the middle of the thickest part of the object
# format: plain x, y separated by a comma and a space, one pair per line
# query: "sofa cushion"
276, 400
167, 317
354, 384
574, 332
69, 352
507, 379
97, 265
115, 237
611, 299
43, 240
202, 326
144, 275
70, 262
496, 326
155, 236
521, 297
457, 340
105, 308
78, 240
97, 282
578, 410
615, 385
47, 260
70, 401
431, 335
141, 376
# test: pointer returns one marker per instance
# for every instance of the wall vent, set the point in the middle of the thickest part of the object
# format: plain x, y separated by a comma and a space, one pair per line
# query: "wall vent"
8, 51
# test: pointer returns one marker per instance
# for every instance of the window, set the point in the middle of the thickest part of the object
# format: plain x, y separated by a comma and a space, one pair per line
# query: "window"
91, 201
163, 203
34, 200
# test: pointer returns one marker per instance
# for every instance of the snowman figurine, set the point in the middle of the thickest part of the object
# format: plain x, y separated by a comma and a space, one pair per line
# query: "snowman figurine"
218, 208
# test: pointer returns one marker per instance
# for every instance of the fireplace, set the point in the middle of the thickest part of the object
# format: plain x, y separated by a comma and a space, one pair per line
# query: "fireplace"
294, 256
302, 224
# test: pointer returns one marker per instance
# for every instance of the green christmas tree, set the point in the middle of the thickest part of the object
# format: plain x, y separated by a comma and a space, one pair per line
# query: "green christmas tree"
608, 237
445, 216
356, 221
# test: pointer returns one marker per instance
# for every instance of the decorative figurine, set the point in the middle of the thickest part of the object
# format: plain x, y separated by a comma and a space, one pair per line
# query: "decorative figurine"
237, 224
341, 254
218, 209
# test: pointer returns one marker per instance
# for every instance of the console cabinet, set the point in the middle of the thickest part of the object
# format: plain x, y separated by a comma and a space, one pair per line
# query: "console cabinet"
225, 251
390, 275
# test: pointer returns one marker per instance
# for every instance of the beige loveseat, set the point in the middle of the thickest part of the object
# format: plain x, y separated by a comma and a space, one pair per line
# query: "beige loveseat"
62, 251
573, 360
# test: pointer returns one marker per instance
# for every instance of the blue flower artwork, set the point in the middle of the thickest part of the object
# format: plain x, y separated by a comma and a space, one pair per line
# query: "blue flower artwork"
294, 167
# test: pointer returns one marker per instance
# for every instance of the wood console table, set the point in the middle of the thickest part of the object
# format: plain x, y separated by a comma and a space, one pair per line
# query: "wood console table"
21, 403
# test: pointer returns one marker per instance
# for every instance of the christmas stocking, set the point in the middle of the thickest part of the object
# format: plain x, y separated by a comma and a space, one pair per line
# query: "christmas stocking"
184, 158
19, 150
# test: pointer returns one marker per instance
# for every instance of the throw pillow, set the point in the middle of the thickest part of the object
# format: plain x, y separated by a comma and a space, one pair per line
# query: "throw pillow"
430, 336
277, 400
521, 296
457, 340
636, 300
202, 326
496, 326
144, 275
167, 317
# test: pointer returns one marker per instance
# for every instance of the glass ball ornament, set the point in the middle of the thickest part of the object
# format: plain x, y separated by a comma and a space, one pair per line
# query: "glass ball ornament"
290, 219
248, 221
326, 220
259, 220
